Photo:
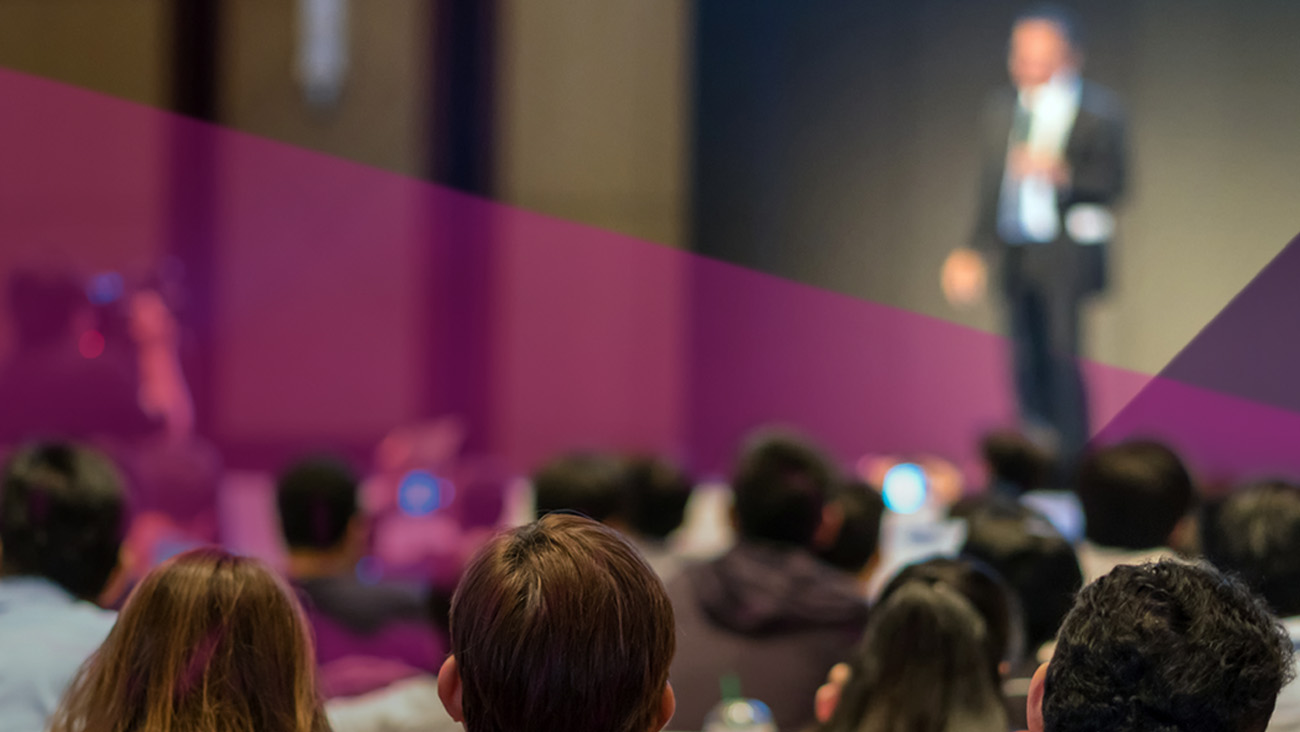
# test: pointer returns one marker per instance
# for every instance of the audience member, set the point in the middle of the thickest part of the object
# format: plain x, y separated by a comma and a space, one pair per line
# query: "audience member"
975, 582
856, 548
326, 536
1016, 464
61, 527
1035, 561
208, 641
591, 484
768, 611
1162, 646
1135, 495
1255, 534
657, 494
922, 666
560, 625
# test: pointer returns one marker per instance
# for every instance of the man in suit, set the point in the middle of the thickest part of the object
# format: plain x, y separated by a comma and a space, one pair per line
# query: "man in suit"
1053, 167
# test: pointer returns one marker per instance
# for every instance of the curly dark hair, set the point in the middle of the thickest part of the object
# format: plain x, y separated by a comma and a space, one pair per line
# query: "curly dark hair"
1255, 534
1166, 647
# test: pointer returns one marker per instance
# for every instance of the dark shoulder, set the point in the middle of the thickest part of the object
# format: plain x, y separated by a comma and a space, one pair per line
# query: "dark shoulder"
1101, 101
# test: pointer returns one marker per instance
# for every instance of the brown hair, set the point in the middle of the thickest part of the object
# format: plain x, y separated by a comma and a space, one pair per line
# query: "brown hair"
561, 625
208, 642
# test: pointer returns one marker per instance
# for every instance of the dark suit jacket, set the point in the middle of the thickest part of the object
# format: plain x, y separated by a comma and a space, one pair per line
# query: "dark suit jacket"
1095, 152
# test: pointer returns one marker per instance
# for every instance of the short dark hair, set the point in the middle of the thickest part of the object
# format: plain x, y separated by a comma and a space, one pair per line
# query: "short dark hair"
1134, 494
859, 536
1062, 17
587, 483
1166, 646
657, 494
780, 487
1032, 557
317, 498
985, 591
61, 517
1255, 534
561, 625
1016, 464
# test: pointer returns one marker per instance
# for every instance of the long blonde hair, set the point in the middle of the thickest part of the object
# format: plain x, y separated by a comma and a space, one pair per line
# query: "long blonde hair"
208, 642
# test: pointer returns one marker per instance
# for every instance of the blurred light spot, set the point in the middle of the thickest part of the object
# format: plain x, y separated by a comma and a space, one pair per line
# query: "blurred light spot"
370, 571
104, 288
91, 344
421, 493
904, 488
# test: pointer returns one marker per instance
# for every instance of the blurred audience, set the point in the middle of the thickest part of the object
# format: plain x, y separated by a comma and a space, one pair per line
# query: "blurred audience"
922, 666
657, 494
208, 641
1163, 646
356, 622
560, 625
1016, 465
1255, 534
768, 612
1136, 497
61, 526
591, 484
856, 548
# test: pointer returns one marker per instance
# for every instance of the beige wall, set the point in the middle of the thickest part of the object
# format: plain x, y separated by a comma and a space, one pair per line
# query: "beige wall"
382, 119
593, 110
119, 47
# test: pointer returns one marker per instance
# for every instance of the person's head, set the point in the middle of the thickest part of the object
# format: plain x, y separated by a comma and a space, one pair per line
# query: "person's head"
1045, 40
657, 493
317, 499
780, 488
207, 641
921, 666
1255, 534
62, 515
1016, 465
1163, 646
1032, 557
587, 483
1134, 494
855, 546
983, 589
559, 625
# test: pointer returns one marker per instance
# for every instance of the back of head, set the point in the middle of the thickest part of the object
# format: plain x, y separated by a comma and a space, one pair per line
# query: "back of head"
207, 641
861, 509
781, 486
983, 589
921, 667
1255, 534
1016, 464
1032, 557
590, 484
657, 493
317, 499
61, 517
1163, 647
1134, 494
560, 625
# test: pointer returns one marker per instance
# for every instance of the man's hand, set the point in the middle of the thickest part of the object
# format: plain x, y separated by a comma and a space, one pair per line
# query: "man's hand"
1024, 162
964, 278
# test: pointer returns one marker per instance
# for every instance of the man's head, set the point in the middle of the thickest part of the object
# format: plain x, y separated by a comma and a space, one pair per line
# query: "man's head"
1016, 465
1134, 494
657, 494
559, 625
317, 498
1044, 42
1255, 534
856, 545
781, 486
61, 517
588, 483
1165, 646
